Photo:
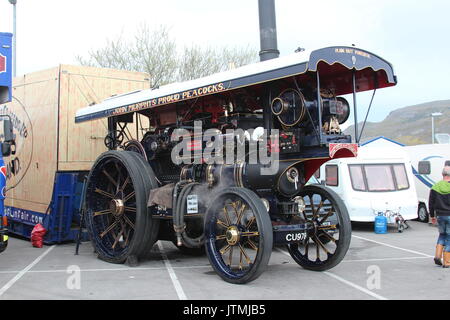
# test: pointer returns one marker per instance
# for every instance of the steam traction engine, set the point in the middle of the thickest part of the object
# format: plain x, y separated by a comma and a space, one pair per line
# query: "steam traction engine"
163, 178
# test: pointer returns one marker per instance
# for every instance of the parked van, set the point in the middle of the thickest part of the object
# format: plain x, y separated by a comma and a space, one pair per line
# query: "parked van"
427, 161
377, 180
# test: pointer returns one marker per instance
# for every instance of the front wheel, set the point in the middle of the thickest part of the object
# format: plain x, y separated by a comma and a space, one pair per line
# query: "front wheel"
327, 244
238, 235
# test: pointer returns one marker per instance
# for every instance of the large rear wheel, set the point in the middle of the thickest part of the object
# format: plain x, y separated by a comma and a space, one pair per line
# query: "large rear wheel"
117, 218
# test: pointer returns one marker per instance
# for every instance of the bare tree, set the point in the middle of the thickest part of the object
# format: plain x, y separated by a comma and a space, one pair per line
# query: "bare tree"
155, 52
196, 62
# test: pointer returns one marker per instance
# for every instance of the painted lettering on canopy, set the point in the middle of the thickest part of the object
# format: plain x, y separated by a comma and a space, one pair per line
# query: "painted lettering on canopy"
173, 98
353, 51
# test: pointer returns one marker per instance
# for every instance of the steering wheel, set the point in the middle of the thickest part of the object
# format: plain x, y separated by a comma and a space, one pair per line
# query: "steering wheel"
113, 139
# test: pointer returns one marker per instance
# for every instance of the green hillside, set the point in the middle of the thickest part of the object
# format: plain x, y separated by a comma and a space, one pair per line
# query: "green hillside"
409, 125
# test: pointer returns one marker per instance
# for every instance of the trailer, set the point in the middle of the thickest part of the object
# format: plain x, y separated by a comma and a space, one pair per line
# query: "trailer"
223, 165
53, 155
379, 179
6, 136
427, 162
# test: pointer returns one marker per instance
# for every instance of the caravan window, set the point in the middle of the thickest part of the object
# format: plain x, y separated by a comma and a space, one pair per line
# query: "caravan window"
357, 177
424, 167
400, 176
378, 177
331, 175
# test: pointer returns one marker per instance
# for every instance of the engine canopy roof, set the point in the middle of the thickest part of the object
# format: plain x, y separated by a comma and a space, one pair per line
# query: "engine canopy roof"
334, 64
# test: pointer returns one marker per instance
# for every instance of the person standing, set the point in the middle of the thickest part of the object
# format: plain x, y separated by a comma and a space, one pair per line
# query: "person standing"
439, 205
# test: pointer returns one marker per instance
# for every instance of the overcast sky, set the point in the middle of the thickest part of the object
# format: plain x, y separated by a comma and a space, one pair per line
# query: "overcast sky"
412, 35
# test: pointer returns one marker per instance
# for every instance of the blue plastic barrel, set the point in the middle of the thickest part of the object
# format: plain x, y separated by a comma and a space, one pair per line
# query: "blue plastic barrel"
380, 224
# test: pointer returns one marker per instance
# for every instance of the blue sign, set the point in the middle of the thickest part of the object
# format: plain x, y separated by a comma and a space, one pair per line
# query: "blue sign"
5, 67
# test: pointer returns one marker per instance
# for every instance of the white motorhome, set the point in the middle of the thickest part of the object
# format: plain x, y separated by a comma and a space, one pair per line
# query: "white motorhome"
377, 180
427, 162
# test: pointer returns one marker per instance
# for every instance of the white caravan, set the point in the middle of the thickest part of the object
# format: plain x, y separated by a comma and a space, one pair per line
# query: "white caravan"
427, 161
377, 180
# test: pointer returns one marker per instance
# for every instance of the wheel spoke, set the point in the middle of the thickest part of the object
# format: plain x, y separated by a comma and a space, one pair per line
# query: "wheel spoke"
125, 183
127, 239
316, 213
304, 215
127, 236
312, 204
326, 216
223, 224
249, 234
129, 196
239, 208
102, 212
104, 193
109, 177
112, 226
117, 239
225, 249
227, 216
330, 227
128, 221
239, 217
252, 244
250, 222
320, 244
119, 177
221, 237
326, 234
230, 257
235, 205
131, 209
249, 261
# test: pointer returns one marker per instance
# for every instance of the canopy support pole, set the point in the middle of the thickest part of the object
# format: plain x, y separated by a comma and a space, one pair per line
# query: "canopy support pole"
375, 80
355, 106
319, 109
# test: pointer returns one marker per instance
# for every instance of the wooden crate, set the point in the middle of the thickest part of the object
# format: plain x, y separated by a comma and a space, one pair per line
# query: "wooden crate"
48, 140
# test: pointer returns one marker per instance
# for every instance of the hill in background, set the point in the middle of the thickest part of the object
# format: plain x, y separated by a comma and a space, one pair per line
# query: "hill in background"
409, 125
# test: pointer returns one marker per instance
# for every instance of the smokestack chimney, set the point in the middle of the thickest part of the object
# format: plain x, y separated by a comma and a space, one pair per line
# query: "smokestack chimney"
267, 30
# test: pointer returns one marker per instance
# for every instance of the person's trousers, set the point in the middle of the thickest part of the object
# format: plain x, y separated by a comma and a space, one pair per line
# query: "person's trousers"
444, 232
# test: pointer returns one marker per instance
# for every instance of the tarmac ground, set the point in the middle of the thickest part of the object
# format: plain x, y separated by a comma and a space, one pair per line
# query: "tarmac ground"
377, 267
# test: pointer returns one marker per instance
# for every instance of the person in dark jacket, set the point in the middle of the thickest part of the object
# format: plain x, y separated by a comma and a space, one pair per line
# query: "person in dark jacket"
439, 205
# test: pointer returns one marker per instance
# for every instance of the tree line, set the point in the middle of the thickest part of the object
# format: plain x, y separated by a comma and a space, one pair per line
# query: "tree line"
156, 52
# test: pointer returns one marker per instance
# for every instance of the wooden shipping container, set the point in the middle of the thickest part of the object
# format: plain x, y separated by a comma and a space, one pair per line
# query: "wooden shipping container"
47, 139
